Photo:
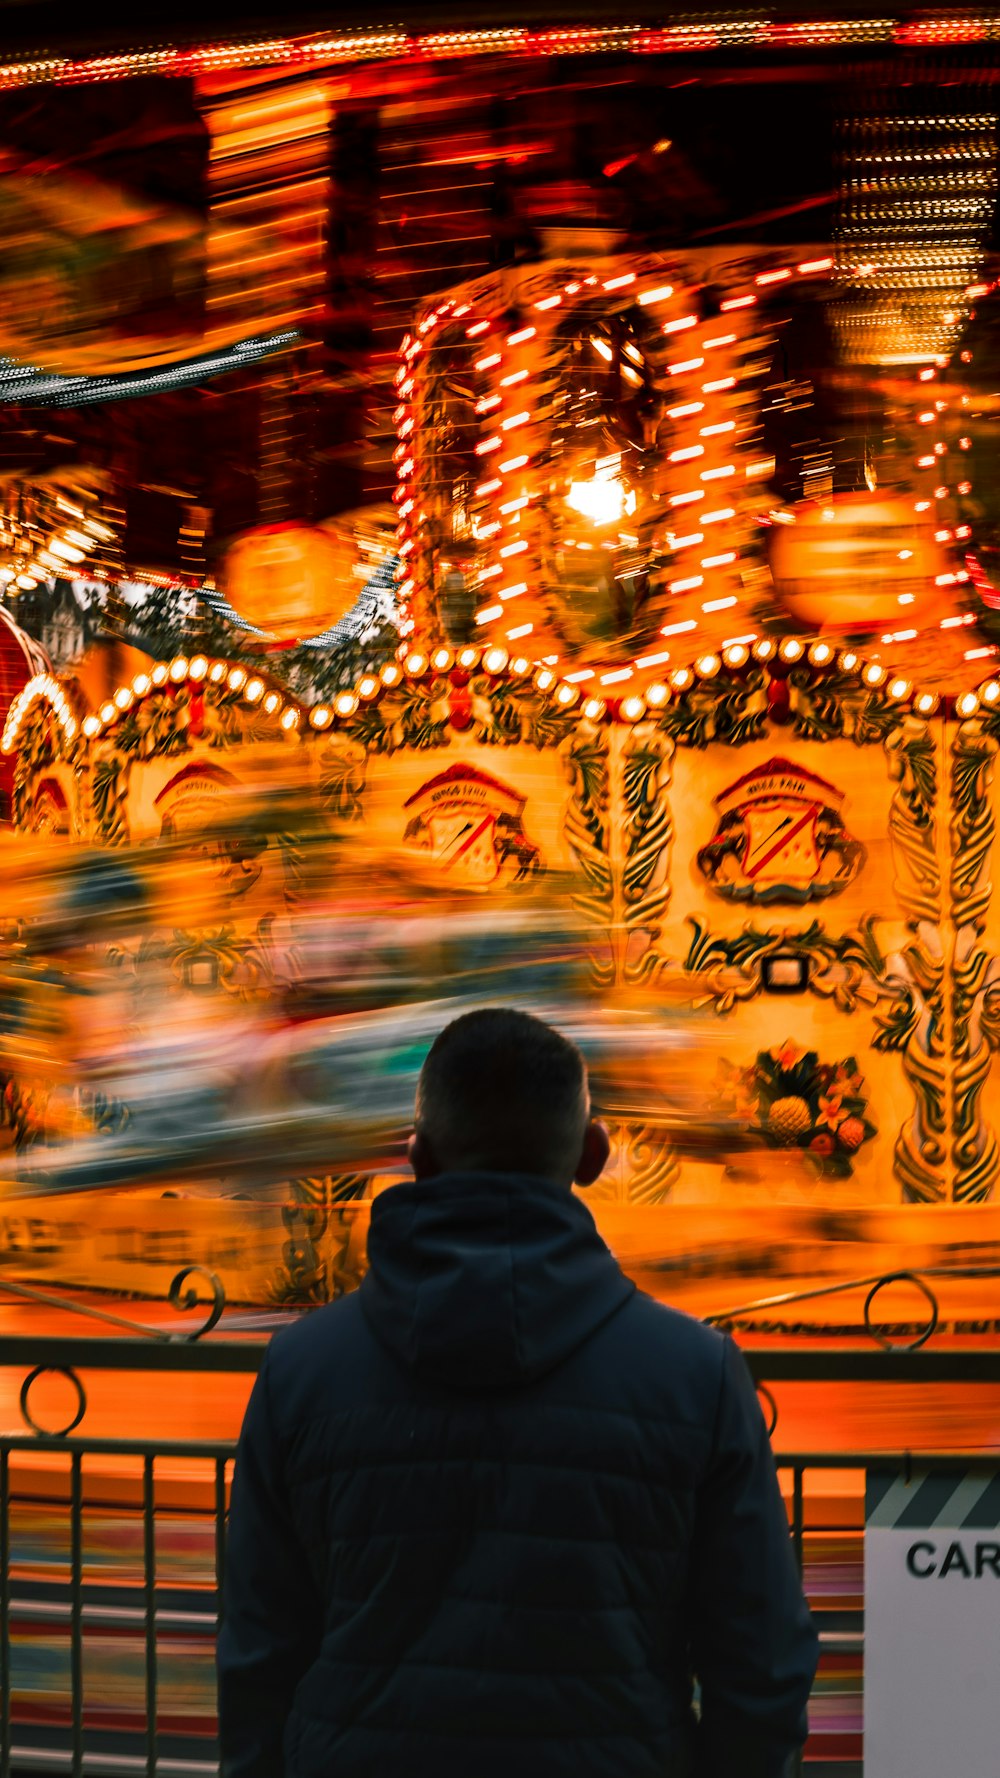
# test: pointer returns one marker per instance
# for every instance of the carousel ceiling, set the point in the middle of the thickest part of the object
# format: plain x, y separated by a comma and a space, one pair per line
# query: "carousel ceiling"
215, 248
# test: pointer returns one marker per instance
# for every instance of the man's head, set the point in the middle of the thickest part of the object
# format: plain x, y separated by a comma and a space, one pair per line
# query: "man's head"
501, 1092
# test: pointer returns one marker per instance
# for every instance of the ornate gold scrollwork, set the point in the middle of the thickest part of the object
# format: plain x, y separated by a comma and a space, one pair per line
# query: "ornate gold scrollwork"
646, 831
587, 761
975, 975
624, 861
644, 1164
319, 1261
920, 1157
847, 970
652, 1164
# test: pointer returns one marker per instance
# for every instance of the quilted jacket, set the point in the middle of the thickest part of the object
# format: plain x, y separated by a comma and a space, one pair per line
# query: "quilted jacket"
492, 1513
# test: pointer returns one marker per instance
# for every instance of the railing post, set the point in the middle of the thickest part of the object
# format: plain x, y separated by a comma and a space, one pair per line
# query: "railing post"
220, 1532
5, 1662
76, 1610
798, 1514
149, 1583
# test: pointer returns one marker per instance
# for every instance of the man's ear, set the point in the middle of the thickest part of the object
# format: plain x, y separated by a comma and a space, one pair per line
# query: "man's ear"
594, 1153
418, 1153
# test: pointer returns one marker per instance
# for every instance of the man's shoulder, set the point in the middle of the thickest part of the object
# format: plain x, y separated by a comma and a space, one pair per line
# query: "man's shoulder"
313, 1337
669, 1337
662, 1322
653, 1364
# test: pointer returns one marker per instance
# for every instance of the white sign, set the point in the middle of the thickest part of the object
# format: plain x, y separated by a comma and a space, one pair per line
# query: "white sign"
932, 1625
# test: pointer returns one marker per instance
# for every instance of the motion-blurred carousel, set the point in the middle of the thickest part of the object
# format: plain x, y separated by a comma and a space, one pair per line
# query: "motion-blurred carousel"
707, 776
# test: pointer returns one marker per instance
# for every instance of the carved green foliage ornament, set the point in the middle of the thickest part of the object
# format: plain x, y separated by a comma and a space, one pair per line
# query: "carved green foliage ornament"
320, 1259
646, 833
587, 760
975, 1149
847, 970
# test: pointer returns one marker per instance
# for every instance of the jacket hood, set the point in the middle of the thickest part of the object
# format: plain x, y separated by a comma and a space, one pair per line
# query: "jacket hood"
486, 1280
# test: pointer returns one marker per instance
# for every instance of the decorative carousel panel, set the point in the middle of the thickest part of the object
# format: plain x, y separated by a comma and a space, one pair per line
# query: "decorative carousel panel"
788, 871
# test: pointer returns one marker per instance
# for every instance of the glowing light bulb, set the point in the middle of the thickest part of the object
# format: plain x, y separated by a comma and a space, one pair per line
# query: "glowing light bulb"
603, 500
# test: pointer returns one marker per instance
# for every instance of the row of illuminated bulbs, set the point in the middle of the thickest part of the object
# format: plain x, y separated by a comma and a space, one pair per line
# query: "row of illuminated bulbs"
716, 33
734, 655
494, 661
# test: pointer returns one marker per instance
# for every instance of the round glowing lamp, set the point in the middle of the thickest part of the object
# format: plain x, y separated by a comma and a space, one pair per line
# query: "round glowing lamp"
850, 561
291, 581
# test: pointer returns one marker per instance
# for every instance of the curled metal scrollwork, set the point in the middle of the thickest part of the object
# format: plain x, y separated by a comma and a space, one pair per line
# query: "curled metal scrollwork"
59, 1370
177, 1296
727, 1318
182, 1299
765, 1393
925, 1290
182, 1295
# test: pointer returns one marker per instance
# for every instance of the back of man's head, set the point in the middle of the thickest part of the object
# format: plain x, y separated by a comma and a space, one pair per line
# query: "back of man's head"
502, 1092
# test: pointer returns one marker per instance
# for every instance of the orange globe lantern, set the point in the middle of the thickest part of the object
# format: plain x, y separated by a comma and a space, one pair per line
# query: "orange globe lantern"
291, 581
856, 562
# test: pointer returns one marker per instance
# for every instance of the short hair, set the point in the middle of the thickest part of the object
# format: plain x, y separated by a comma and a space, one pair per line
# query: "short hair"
502, 1092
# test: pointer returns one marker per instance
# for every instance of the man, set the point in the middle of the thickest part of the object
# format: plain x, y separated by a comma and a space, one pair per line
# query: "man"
492, 1512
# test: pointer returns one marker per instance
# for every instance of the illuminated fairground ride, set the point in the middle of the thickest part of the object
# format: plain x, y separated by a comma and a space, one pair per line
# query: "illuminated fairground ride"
721, 767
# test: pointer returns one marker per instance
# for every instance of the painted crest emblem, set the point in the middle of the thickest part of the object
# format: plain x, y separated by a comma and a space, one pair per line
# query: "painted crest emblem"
472, 825
190, 807
780, 837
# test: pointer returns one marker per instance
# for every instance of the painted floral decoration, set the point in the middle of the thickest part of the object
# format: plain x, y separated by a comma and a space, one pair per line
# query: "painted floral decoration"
793, 1100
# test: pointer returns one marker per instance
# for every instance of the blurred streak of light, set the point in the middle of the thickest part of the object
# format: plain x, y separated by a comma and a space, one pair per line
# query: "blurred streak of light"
258, 124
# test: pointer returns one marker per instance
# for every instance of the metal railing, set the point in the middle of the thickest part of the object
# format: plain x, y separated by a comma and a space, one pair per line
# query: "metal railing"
147, 1602
112, 1551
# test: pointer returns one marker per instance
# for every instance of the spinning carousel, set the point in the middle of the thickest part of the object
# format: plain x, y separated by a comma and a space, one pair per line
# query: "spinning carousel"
741, 750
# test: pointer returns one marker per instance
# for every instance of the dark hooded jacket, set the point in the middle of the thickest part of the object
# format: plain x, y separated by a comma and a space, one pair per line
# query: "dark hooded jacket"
492, 1512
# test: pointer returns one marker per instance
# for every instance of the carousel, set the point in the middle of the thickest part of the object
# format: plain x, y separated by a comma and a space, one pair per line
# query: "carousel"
719, 768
